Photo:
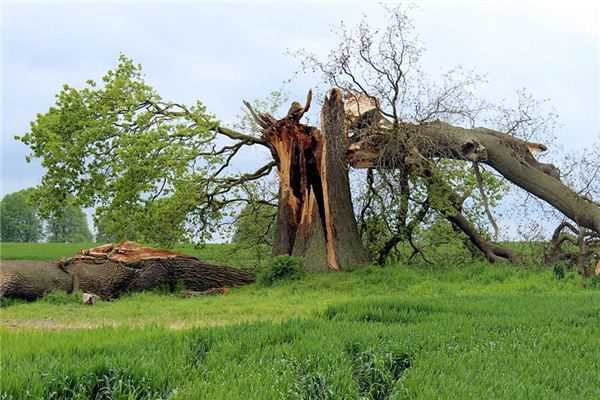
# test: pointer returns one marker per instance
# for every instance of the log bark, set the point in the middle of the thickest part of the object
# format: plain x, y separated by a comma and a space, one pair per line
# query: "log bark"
31, 279
315, 218
508, 155
110, 274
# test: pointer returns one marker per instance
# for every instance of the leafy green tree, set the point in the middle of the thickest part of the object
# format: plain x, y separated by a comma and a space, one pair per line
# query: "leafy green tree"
152, 169
166, 221
101, 234
68, 225
117, 147
19, 221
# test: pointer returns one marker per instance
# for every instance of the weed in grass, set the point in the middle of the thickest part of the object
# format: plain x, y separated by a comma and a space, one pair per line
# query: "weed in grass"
199, 348
559, 271
61, 298
282, 268
376, 371
107, 384
9, 301
100, 384
168, 288
310, 384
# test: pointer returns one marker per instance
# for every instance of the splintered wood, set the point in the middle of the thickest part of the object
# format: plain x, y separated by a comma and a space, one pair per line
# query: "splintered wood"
313, 218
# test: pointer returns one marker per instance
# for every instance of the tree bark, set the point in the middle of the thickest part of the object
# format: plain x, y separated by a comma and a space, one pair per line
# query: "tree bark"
32, 279
583, 251
507, 154
315, 218
490, 250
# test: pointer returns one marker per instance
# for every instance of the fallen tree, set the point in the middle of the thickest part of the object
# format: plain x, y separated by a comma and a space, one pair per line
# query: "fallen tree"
423, 133
512, 157
110, 270
413, 146
304, 223
134, 156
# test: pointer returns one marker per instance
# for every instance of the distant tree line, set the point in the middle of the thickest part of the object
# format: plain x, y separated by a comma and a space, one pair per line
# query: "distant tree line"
20, 221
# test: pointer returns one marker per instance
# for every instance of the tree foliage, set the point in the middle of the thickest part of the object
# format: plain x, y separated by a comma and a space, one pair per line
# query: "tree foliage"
19, 221
149, 167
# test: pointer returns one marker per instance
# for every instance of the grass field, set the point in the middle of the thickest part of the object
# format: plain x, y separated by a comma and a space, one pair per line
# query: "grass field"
474, 332
226, 254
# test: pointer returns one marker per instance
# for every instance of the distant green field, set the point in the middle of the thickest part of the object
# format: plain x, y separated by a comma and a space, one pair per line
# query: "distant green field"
236, 255
400, 332
40, 251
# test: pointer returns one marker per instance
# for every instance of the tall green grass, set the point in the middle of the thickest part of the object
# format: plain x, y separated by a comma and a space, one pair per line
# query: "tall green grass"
471, 347
400, 332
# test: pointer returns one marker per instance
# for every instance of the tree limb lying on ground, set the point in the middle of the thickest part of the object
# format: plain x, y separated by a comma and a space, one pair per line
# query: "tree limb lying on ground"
110, 270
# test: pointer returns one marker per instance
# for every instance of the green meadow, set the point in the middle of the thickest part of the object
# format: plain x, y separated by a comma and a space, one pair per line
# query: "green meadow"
474, 331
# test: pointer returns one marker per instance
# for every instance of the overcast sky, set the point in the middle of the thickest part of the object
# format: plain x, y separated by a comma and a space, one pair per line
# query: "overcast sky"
224, 51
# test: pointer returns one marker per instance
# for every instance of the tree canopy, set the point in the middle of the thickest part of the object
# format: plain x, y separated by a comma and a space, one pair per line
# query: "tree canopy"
144, 164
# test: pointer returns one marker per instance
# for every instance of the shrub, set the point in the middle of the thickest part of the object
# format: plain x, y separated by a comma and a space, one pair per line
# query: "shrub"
282, 268
377, 371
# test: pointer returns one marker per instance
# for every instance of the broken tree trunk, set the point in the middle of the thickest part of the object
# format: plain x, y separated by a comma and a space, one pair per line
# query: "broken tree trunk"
315, 217
511, 157
112, 270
